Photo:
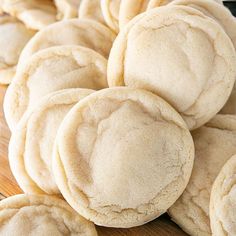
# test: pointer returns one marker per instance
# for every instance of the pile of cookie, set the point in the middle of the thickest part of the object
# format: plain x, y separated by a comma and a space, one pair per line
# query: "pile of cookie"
125, 109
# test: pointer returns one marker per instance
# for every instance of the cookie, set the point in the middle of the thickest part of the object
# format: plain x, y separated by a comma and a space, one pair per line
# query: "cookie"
14, 36
84, 33
214, 145
196, 82
129, 9
51, 70
41, 215
110, 11
122, 157
67, 8
36, 14
91, 10
223, 201
31, 144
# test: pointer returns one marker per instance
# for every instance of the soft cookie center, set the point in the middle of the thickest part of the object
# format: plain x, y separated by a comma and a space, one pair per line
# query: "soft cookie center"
132, 155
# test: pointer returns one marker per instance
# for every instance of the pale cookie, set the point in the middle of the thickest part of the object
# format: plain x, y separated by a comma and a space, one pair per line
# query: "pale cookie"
36, 14
122, 157
129, 9
13, 37
110, 11
223, 201
84, 33
50, 70
91, 10
67, 8
41, 215
214, 145
196, 82
31, 144
216, 11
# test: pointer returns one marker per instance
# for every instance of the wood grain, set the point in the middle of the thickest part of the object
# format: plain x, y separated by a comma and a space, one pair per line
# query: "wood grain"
162, 226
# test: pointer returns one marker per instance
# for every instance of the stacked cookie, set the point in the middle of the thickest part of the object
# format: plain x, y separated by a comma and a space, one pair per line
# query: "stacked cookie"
115, 110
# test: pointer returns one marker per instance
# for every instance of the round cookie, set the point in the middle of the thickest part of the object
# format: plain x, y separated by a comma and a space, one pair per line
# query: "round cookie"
91, 10
67, 8
122, 157
110, 11
214, 145
129, 9
51, 70
84, 33
31, 144
196, 82
14, 36
41, 215
36, 14
216, 11
223, 201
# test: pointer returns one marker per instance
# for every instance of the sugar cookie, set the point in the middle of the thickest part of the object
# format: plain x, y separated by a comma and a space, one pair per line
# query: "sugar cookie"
122, 157
214, 145
51, 70
36, 14
41, 215
196, 82
31, 144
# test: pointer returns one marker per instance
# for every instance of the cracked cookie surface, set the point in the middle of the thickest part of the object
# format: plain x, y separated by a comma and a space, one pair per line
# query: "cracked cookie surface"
41, 215
51, 70
214, 145
122, 157
196, 82
223, 201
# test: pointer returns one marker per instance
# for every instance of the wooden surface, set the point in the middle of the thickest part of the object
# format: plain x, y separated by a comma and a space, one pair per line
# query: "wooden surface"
162, 226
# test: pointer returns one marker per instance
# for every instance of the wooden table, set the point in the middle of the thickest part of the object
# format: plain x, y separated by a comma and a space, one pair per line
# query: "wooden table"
162, 226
